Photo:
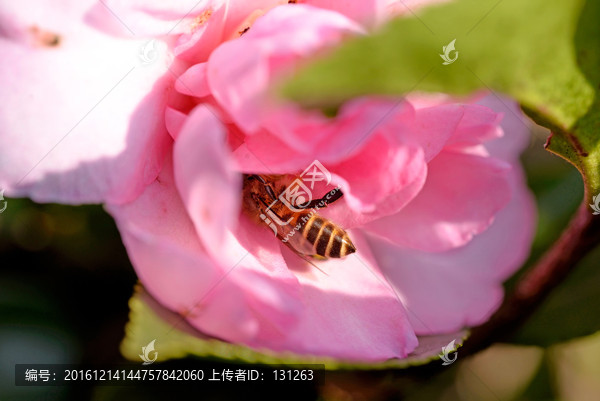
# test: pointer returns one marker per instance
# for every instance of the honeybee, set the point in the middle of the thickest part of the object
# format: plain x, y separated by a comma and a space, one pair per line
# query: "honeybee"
298, 227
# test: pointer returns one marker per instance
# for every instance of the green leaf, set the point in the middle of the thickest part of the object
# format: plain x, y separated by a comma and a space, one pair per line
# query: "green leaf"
500, 372
543, 53
148, 321
541, 386
585, 136
571, 311
575, 368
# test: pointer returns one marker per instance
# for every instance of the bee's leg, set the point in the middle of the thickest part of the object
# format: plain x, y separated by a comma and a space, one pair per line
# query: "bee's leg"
268, 187
323, 202
268, 207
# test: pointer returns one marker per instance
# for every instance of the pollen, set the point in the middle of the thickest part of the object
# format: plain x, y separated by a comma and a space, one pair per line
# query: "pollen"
247, 23
201, 19
42, 38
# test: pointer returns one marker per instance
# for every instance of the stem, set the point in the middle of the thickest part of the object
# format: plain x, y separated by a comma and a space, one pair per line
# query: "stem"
580, 237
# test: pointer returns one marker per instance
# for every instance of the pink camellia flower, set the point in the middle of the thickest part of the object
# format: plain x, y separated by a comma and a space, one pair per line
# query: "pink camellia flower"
434, 197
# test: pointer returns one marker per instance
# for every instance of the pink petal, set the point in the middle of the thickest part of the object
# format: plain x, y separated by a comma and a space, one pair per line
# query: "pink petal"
193, 82
445, 291
341, 213
479, 124
148, 17
462, 287
386, 174
218, 24
237, 75
351, 312
205, 177
242, 14
421, 100
163, 247
328, 140
266, 153
203, 34
516, 127
462, 194
239, 302
239, 71
383, 145
82, 120
435, 126
357, 122
382, 169
174, 120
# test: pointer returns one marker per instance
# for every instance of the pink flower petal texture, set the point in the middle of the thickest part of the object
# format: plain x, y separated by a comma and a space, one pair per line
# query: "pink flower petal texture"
164, 111
255, 293
172, 262
460, 198
351, 312
82, 118
468, 278
205, 174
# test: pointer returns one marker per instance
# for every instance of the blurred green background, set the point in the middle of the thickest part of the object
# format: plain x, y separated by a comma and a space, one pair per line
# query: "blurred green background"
66, 279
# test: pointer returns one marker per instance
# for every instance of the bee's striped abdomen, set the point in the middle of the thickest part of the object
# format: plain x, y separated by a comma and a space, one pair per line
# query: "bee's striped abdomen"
329, 241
